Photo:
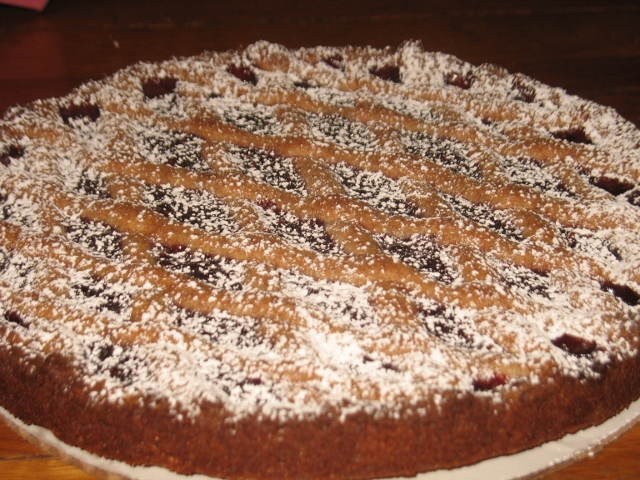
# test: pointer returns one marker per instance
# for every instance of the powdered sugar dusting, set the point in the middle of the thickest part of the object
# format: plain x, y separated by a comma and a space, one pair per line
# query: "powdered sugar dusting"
362, 230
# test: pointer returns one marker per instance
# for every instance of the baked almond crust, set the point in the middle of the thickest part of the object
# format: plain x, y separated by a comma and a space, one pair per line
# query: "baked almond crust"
321, 263
359, 446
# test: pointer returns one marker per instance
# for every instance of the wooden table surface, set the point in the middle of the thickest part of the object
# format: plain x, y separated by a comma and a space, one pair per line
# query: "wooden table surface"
591, 48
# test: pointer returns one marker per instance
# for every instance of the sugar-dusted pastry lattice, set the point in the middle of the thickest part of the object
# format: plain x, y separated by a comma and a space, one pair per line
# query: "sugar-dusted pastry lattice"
328, 262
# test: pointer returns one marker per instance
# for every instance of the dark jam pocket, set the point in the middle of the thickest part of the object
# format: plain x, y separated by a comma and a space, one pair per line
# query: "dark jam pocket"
14, 152
485, 384
177, 149
623, 292
574, 344
157, 87
221, 329
302, 84
452, 328
242, 73
590, 243
524, 92
334, 61
96, 237
102, 296
92, 184
528, 171
520, 278
20, 269
343, 132
420, 253
486, 216
442, 152
574, 135
5, 260
634, 198
219, 271
384, 365
103, 350
456, 79
444, 325
119, 363
389, 72
249, 382
614, 186
269, 168
14, 317
192, 207
375, 189
250, 119
310, 233
83, 111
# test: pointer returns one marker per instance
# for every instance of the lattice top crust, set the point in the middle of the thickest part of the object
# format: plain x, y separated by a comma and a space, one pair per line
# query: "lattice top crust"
284, 232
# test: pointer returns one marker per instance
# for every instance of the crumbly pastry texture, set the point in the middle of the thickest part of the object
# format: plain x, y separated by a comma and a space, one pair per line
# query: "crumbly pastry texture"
321, 263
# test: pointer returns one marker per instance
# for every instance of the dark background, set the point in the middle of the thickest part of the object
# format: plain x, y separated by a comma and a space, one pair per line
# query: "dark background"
591, 48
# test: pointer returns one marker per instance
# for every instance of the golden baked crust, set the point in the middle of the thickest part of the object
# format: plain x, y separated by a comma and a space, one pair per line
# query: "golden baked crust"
322, 263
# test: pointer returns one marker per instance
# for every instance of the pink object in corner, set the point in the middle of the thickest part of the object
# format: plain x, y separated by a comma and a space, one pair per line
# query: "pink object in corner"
31, 4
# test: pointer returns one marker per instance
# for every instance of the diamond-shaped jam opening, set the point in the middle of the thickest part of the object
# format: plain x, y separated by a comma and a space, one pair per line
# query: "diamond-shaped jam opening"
12, 153
459, 80
15, 318
242, 73
484, 384
334, 61
623, 292
574, 344
612, 185
74, 111
157, 87
390, 73
574, 135
525, 93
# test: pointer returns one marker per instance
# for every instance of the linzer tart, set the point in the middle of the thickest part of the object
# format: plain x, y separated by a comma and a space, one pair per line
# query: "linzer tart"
321, 263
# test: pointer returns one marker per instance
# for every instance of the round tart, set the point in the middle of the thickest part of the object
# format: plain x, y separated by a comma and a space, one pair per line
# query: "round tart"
321, 263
